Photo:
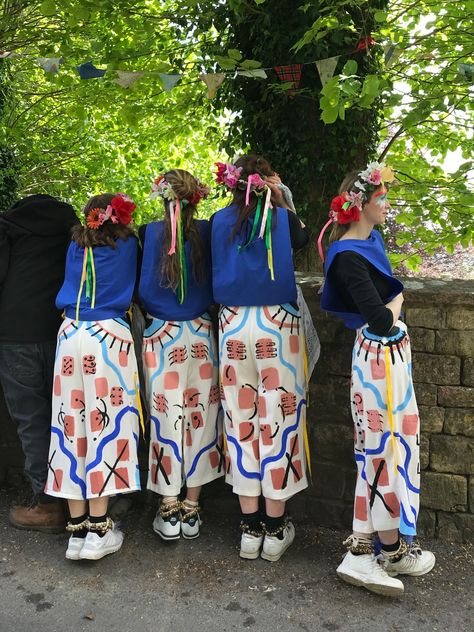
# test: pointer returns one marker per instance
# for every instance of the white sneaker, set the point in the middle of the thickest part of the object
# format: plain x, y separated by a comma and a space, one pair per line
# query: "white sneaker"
74, 547
364, 570
250, 546
273, 548
190, 524
96, 547
168, 528
416, 562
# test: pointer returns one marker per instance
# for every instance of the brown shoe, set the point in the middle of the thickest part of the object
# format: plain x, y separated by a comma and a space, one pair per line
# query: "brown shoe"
45, 517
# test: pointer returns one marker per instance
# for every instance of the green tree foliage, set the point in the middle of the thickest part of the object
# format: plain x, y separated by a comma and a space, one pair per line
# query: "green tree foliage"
424, 92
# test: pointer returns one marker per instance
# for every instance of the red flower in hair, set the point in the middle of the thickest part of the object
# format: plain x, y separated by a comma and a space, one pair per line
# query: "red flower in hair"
220, 173
195, 198
94, 220
123, 208
344, 211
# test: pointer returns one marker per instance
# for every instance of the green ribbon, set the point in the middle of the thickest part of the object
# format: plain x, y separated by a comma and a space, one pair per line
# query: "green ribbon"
254, 227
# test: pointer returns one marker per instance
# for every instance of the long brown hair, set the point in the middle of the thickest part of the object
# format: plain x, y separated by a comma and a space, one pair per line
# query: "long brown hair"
185, 185
250, 163
105, 235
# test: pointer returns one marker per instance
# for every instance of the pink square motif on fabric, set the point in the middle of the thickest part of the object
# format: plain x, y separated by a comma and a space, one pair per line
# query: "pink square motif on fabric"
377, 369
270, 378
410, 424
171, 380
150, 359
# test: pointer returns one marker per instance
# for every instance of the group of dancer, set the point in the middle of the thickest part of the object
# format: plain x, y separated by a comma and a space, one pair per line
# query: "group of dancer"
232, 406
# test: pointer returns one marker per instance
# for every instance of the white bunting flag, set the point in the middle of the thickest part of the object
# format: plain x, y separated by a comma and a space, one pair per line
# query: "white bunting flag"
326, 68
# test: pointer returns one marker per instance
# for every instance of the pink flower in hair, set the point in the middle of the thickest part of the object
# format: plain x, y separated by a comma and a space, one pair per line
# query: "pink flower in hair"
375, 177
232, 175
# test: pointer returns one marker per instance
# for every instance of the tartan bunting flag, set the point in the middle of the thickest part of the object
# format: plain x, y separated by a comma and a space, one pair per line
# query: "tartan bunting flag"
290, 73
326, 68
89, 71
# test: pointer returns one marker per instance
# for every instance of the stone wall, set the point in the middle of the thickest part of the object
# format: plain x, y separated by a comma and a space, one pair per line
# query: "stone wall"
440, 316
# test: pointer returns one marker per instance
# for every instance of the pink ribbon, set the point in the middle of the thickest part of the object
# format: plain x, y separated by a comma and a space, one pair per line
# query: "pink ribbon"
250, 179
320, 239
174, 222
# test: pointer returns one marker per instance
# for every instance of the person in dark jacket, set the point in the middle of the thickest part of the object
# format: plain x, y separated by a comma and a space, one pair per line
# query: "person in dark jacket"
34, 236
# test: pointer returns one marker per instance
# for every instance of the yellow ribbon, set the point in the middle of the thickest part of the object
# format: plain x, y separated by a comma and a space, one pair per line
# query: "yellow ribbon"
93, 278
83, 278
390, 408
139, 403
305, 426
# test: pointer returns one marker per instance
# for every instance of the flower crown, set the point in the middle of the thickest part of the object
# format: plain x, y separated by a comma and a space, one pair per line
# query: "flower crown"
346, 207
162, 188
228, 175
119, 211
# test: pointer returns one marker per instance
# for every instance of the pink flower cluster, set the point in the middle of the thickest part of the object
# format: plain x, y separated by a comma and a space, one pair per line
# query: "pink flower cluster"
227, 174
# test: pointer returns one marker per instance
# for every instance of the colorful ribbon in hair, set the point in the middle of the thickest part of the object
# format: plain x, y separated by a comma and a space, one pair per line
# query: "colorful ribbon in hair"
320, 238
265, 227
177, 247
88, 277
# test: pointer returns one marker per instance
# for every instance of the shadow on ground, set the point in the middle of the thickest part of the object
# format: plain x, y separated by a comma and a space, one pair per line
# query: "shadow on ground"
203, 584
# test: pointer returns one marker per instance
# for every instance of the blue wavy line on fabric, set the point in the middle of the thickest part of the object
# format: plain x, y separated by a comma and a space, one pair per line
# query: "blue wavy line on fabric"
106, 440
242, 470
403, 471
377, 394
116, 370
361, 458
236, 329
201, 452
73, 468
170, 442
406, 527
286, 364
285, 434
206, 336
162, 358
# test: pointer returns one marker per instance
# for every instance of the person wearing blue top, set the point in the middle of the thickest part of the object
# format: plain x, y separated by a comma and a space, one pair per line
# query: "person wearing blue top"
180, 356
261, 348
95, 404
360, 288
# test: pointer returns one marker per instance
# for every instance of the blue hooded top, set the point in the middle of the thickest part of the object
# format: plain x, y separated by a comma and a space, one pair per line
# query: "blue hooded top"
116, 271
243, 278
162, 302
373, 250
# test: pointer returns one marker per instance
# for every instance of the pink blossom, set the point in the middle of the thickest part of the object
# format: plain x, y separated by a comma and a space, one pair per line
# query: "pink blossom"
375, 177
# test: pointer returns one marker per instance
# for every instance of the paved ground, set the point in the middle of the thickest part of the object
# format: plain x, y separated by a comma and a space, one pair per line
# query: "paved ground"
203, 585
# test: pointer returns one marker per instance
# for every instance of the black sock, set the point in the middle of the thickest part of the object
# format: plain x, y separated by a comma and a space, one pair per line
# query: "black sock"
252, 520
273, 524
82, 532
94, 520
391, 548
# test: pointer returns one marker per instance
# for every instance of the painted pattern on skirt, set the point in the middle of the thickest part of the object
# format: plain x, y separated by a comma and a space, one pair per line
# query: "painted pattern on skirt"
386, 446
186, 443
95, 419
263, 397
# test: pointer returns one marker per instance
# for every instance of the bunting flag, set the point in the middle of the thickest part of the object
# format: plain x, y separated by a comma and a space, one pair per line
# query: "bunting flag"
391, 54
326, 68
168, 80
213, 81
89, 71
258, 73
126, 78
6, 54
50, 64
290, 73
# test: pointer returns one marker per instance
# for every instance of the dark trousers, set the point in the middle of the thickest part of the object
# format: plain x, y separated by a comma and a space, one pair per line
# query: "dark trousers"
26, 378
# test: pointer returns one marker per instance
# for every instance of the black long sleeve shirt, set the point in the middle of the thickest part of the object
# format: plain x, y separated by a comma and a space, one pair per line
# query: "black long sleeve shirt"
363, 289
